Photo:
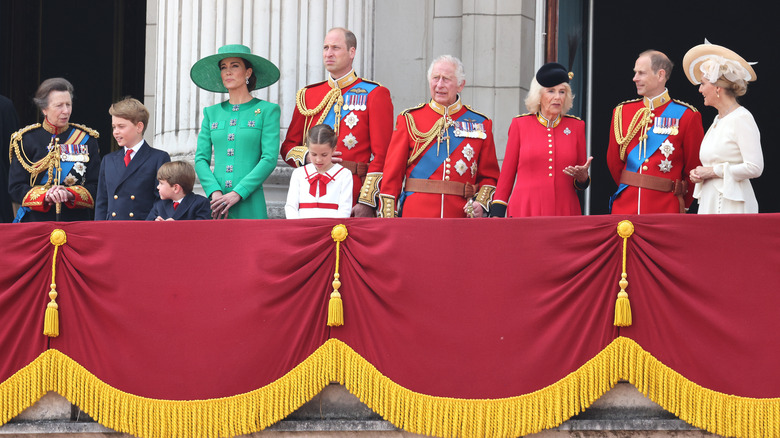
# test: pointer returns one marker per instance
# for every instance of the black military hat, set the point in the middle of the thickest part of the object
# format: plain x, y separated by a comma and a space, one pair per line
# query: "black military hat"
552, 74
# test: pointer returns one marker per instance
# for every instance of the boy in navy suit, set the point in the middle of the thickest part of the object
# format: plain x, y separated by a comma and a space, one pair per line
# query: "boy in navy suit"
177, 202
128, 177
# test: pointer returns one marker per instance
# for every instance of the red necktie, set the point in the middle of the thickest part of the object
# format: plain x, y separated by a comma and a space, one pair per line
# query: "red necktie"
175, 205
318, 180
127, 157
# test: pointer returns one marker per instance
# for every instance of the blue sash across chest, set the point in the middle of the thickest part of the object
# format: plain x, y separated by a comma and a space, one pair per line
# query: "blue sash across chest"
435, 156
634, 160
354, 91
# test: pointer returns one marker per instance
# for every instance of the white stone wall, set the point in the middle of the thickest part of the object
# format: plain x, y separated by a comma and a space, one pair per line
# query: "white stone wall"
397, 39
495, 39
287, 32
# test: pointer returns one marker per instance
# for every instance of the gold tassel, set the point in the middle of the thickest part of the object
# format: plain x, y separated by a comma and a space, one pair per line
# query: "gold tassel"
51, 320
622, 306
335, 305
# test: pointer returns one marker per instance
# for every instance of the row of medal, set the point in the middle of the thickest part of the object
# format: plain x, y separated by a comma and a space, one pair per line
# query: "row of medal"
666, 126
355, 102
469, 129
74, 152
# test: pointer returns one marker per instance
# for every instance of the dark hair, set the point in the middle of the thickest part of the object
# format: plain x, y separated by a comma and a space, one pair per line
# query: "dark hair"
252, 78
659, 61
322, 134
130, 109
178, 172
41, 98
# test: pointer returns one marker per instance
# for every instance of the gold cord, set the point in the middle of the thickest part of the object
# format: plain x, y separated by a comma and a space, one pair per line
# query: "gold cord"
640, 120
333, 97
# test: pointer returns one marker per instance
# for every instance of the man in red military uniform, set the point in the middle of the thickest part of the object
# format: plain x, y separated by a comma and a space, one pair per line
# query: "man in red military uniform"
361, 113
653, 144
444, 151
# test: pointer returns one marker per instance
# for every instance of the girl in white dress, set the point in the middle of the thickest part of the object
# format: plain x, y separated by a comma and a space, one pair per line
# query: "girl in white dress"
731, 149
321, 188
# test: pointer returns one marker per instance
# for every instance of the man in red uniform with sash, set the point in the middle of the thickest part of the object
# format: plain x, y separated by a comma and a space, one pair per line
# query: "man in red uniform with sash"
361, 113
653, 144
444, 151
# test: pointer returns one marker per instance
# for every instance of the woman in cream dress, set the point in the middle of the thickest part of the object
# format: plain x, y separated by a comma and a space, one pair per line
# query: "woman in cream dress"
731, 150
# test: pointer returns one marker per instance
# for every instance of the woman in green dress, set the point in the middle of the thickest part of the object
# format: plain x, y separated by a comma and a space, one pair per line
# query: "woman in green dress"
242, 132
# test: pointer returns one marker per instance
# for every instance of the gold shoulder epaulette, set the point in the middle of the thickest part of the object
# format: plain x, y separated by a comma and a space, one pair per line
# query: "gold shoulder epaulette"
313, 85
571, 116
476, 112
18, 134
88, 130
524, 114
629, 101
686, 104
370, 81
413, 108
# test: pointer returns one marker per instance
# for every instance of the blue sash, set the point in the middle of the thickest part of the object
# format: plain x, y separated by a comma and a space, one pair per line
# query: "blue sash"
330, 118
435, 156
633, 161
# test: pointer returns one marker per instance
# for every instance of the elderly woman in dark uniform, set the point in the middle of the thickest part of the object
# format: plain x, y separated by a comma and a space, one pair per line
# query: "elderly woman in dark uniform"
545, 151
54, 164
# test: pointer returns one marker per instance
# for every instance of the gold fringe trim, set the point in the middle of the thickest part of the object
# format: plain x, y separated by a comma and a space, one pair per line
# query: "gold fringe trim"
153, 418
622, 359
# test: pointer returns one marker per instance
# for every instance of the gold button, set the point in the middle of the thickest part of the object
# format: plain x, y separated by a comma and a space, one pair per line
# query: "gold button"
116, 197
113, 214
647, 160
131, 215
132, 197
644, 167
446, 178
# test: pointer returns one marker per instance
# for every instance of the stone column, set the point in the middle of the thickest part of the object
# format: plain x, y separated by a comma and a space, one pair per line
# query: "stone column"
496, 40
288, 33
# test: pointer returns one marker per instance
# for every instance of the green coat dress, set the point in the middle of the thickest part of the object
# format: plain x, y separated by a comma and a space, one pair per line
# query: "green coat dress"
244, 140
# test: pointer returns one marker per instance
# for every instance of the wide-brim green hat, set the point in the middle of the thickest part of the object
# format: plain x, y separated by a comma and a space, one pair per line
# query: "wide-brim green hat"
205, 73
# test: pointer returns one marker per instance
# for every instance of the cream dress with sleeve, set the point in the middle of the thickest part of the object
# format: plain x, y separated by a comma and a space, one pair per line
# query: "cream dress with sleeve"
732, 147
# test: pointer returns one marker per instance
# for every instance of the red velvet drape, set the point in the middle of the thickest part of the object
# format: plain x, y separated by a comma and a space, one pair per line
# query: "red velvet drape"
456, 308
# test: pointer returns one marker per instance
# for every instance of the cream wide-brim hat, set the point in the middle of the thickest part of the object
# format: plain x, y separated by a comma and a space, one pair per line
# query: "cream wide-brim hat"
698, 54
205, 73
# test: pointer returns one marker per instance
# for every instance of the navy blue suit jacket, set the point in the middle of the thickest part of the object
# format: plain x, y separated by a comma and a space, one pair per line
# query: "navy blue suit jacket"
128, 193
192, 207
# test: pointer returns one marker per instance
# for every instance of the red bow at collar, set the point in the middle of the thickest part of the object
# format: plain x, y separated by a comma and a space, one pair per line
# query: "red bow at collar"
321, 180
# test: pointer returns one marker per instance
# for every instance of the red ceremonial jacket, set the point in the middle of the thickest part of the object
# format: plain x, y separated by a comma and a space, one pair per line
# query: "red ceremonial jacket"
472, 161
364, 142
684, 158
536, 155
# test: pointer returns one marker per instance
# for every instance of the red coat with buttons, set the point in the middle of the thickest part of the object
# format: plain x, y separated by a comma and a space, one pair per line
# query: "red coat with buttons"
684, 158
481, 168
534, 161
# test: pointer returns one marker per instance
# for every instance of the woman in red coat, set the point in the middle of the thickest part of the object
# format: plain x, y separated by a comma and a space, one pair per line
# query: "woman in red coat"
545, 152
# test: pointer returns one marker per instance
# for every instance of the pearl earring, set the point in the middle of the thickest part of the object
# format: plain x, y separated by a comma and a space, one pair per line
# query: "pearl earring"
717, 93
247, 81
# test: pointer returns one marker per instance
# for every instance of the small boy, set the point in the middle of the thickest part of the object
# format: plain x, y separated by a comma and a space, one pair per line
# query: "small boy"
177, 202
127, 180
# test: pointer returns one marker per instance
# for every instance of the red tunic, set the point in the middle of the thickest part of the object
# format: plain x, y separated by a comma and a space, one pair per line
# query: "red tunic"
684, 158
371, 132
537, 155
478, 157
